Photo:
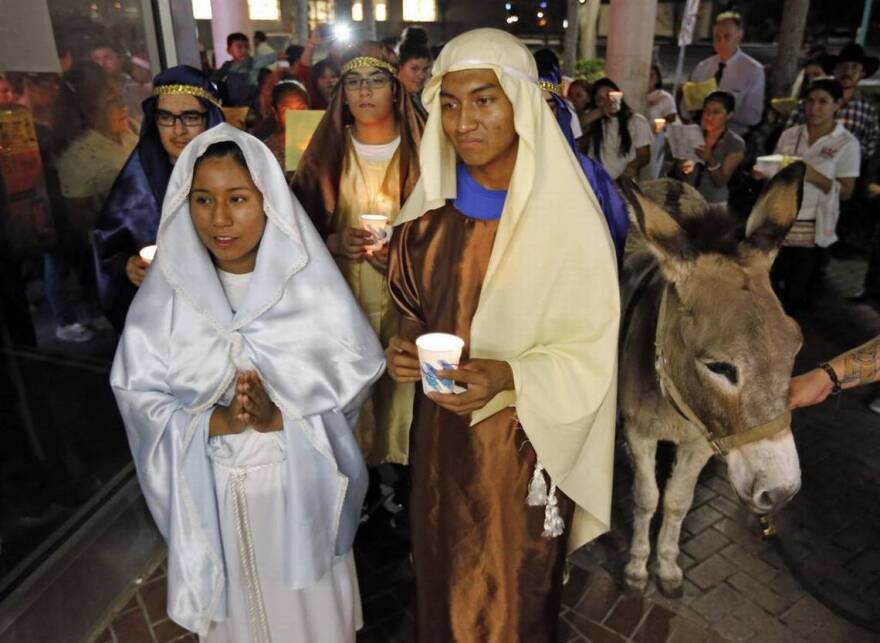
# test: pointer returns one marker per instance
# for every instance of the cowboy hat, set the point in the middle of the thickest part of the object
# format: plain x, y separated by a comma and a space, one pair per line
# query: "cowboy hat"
852, 52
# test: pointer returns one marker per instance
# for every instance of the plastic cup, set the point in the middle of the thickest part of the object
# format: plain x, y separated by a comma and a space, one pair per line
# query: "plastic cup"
148, 253
378, 226
768, 166
437, 352
659, 124
616, 99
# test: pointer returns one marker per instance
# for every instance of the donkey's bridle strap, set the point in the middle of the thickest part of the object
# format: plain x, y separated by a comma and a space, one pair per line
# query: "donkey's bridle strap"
721, 444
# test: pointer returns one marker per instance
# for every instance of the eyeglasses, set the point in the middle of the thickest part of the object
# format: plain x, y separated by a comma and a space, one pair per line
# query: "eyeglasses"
354, 83
189, 119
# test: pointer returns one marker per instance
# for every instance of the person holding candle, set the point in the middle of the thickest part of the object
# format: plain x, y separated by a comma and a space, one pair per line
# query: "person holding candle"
833, 157
616, 137
503, 244
720, 156
239, 376
183, 105
363, 159
661, 111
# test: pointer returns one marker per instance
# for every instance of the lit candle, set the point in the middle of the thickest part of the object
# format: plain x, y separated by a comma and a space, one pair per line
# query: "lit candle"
148, 253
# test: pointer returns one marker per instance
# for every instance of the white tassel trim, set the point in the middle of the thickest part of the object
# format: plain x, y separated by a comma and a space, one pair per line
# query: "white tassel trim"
538, 496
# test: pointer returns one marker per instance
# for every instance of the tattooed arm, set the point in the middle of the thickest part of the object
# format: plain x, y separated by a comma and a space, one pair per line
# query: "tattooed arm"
856, 367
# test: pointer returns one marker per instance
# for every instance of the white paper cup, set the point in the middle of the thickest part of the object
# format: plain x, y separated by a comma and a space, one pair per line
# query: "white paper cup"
437, 352
769, 165
148, 253
616, 99
378, 226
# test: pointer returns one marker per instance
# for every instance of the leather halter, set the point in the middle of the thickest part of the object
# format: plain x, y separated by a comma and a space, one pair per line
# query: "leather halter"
721, 444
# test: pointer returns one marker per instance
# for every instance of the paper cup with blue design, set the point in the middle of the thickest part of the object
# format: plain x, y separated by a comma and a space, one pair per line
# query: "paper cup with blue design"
377, 225
438, 352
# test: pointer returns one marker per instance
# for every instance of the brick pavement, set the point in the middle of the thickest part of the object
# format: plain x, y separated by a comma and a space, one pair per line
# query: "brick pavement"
738, 586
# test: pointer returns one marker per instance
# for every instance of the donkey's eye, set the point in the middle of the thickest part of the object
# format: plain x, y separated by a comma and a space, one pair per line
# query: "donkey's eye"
723, 368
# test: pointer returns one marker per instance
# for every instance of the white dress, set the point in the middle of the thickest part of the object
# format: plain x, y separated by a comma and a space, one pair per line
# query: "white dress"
250, 479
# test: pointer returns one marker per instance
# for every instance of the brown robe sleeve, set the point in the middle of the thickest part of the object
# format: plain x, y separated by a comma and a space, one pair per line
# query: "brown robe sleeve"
402, 284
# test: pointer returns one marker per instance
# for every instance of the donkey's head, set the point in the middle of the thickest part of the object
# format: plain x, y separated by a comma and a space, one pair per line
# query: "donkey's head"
727, 345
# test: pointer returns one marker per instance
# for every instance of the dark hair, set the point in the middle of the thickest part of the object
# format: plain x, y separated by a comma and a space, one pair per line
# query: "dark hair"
221, 150
723, 98
262, 75
294, 53
231, 38
323, 65
546, 58
826, 84
260, 36
289, 86
597, 131
413, 45
656, 69
82, 99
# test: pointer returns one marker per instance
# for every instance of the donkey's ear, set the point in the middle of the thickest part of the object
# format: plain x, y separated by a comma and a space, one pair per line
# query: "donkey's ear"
667, 240
776, 210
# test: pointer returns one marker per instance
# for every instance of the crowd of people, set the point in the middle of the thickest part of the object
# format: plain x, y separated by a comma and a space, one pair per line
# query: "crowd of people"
249, 372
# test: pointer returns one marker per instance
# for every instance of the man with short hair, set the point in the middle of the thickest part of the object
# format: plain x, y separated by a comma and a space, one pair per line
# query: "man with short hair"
505, 246
261, 44
734, 72
237, 78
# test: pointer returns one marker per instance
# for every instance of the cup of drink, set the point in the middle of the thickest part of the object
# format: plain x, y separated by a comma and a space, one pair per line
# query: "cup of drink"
438, 352
148, 253
377, 225
659, 124
616, 99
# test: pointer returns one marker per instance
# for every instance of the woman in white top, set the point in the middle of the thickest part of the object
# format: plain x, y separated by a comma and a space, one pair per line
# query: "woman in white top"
617, 137
239, 376
661, 105
832, 156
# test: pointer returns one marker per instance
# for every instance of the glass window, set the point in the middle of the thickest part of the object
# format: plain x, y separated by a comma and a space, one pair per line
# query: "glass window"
322, 12
63, 140
420, 10
380, 10
257, 9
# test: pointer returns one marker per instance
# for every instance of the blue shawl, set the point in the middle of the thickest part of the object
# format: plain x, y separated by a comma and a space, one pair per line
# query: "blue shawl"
130, 217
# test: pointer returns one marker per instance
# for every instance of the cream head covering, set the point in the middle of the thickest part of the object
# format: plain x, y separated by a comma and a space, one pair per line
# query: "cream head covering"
549, 304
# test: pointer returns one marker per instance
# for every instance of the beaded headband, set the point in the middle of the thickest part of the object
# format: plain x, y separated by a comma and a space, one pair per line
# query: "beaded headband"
553, 88
368, 61
188, 90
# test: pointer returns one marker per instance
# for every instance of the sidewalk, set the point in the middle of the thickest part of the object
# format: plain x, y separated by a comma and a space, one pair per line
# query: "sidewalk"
738, 587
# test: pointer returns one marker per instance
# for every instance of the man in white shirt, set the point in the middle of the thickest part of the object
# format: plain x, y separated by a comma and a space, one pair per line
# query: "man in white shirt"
735, 72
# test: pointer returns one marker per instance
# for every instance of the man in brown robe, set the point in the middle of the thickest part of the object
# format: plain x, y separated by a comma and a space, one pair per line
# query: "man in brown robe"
505, 246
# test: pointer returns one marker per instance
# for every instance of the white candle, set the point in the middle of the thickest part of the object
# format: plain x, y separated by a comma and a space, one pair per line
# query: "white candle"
148, 253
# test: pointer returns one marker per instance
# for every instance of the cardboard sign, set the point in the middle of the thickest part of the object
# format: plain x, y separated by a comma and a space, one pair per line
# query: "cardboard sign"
301, 124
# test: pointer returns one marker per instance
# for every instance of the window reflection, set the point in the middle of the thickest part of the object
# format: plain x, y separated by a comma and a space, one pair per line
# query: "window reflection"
63, 139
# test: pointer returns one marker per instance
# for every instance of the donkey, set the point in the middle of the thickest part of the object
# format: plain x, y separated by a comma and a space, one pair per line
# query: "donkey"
706, 356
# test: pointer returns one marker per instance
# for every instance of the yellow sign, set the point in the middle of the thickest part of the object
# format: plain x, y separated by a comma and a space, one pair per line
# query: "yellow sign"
236, 116
784, 106
693, 94
301, 124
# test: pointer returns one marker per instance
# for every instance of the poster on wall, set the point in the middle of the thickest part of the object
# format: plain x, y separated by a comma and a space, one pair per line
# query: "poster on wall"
27, 41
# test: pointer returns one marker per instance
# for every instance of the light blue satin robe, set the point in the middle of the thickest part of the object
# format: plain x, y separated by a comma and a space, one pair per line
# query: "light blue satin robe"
317, 355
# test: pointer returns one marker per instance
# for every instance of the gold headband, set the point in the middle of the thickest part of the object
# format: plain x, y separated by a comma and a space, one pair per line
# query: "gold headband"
188, 90
553, 88
368, 61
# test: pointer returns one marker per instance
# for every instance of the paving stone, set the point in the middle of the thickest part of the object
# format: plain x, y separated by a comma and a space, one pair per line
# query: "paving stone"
711, 571
732, 509
703, 545
655, 627
167, 631
703, 494
721, 486
758, 593
701, 518
598, 600
627, 615
682, 630
717, 602
750, 564
132, 627
733, 629
787, 586
593, 631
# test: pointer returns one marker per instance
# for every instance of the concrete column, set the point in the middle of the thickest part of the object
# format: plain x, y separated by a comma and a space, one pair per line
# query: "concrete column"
571, 37
630, 45
229, 16
369, 20
301, 12
588, 23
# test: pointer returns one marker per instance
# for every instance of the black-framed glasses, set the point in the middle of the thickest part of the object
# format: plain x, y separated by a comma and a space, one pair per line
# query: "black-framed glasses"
191, 118
354, 83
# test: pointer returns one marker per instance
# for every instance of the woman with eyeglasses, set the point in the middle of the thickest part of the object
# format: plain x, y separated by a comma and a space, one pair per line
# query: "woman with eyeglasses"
363, 159
183, 105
